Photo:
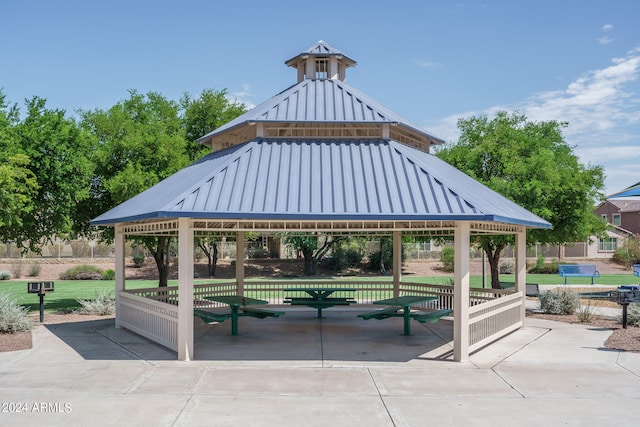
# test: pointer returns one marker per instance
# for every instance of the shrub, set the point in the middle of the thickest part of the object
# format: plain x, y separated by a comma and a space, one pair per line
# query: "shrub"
507, 267
342, 259
585, 313
447, 258
34, 270
138, 260
542, 267
13, 317
633, 314
16, 269
5, 275
628, 254
82, 272
109, 275
559, 302
103, 304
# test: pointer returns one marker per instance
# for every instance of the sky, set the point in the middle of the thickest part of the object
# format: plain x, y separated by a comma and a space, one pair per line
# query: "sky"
431, 62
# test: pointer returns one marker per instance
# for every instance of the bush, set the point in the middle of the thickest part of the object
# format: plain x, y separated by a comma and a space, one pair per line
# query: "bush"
507, 267
447, 258
542, 267
138, 260
633, 314
82, 272
34, 270
559, 302
342, 259
13, 317
103, 304
5, 275
628, 254
16, 269
109, 275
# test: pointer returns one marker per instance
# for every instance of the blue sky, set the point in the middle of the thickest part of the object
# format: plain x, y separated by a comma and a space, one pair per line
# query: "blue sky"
432, 62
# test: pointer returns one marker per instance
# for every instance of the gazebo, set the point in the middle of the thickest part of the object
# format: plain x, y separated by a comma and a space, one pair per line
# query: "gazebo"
319, 157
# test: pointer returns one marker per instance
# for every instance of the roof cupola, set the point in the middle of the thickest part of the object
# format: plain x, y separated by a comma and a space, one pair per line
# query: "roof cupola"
321, 61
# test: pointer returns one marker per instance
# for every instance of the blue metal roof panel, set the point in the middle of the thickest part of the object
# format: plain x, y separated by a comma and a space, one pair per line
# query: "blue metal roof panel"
321, 179
319, 100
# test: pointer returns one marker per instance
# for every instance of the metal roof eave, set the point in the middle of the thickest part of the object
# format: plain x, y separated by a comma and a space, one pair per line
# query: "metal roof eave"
241, 216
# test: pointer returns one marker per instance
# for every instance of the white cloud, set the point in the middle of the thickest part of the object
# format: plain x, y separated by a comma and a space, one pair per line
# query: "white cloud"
607, 27
243, 96
605, 40
603, 113
427, 64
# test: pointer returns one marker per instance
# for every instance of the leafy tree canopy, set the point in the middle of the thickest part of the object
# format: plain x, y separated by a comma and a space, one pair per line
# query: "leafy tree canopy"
45, 169
531, 164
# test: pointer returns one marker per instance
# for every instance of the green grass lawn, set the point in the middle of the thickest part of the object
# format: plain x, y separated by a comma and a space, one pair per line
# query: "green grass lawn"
67, 292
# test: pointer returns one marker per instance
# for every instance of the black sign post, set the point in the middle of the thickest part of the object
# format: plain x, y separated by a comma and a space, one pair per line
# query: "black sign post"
40, 288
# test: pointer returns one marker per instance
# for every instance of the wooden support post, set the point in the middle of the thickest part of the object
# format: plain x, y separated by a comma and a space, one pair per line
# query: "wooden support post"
119, 279
521, 269
461, 294
185, 289
240, 262
397, 262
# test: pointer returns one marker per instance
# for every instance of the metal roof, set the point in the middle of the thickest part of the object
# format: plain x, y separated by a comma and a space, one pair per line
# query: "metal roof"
310, 179
632, 191
322, 101
322, 49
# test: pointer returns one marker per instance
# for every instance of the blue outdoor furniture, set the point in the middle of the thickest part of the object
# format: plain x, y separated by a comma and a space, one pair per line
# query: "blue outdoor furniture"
578, 270
636, 270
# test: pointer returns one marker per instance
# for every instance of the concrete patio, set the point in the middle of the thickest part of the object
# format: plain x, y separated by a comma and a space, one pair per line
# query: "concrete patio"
339, 370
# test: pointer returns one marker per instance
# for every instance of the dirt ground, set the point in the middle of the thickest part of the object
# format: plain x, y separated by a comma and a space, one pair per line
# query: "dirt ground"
50, 269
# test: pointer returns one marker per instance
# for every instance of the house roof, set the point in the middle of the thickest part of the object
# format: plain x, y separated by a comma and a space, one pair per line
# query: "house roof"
625, 205
311, 179
321, 101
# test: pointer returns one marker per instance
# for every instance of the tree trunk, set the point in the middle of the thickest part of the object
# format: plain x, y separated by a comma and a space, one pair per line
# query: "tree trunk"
162, 257
310, 265
493, 252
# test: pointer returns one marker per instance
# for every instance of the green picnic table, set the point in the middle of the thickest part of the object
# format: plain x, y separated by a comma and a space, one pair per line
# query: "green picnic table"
235, 302
404, 302
319, 298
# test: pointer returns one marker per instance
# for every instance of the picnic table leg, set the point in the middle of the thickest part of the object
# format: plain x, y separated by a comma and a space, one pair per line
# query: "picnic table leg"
234, 320
319, 313
407, 321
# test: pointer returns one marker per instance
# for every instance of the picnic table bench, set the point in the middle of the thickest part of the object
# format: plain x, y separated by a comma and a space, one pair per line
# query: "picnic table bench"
401, 307
636, 270
578, 270
319, 298
240, 306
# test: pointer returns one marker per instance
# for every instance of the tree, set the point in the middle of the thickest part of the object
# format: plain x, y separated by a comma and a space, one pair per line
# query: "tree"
138, 142
313, 247
45, 168
210, 110
531, 164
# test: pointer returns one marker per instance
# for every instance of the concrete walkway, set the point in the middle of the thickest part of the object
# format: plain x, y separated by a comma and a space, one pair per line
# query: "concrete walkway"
299, 370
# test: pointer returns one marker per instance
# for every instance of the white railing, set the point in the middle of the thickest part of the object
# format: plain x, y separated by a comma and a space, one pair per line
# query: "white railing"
153, 312
152, 319
494, 319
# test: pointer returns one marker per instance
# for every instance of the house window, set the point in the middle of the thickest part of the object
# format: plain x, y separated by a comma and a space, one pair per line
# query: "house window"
604, 217
322, 68
616, 219
610, 244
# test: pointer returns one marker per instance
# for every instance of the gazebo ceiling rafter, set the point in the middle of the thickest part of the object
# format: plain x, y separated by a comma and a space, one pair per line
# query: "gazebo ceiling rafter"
337, 227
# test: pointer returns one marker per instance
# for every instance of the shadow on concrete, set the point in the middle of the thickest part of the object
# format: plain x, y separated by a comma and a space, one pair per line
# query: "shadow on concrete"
297, 336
